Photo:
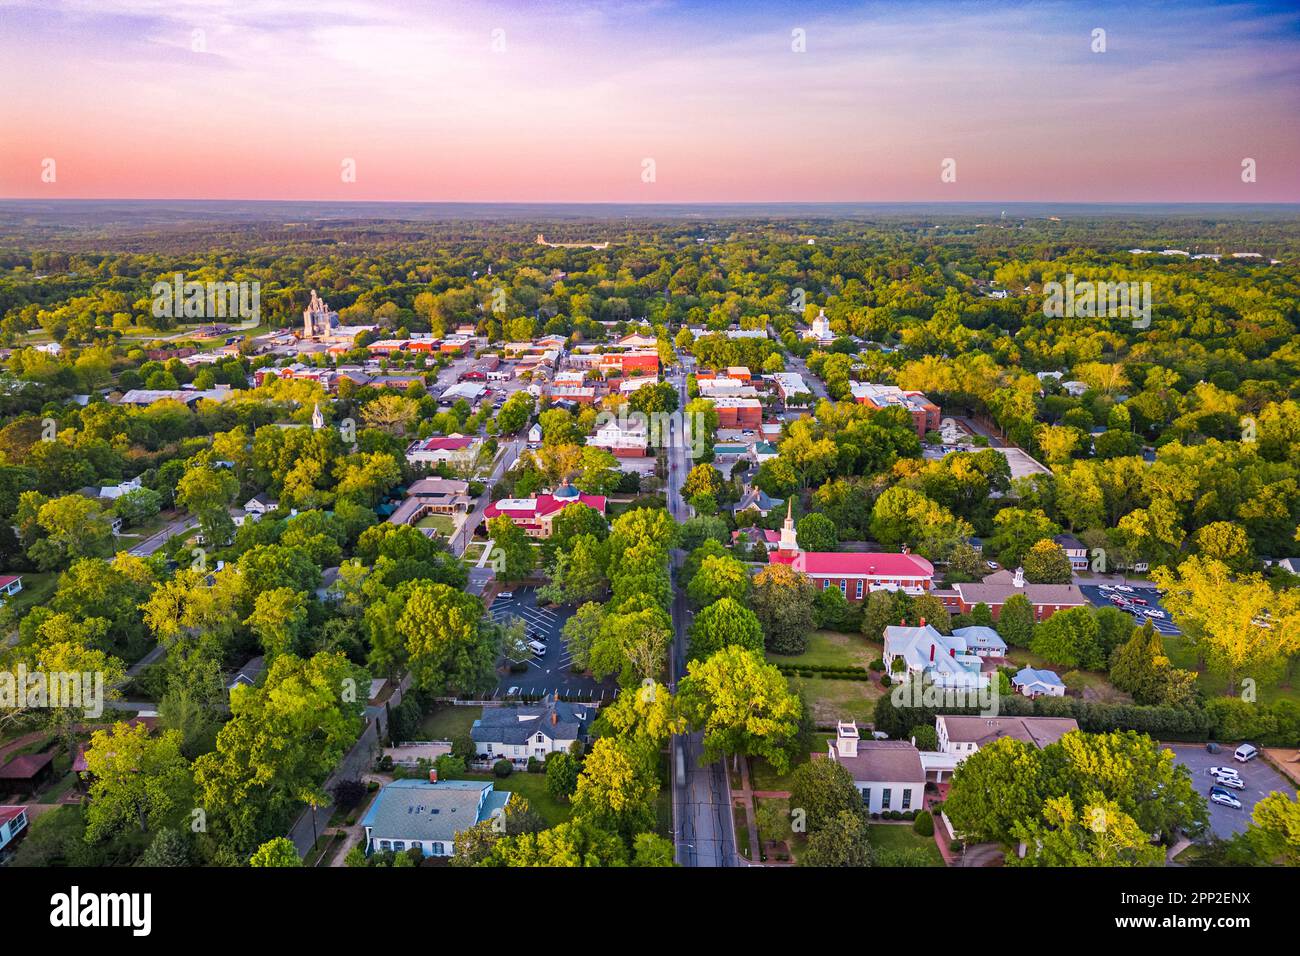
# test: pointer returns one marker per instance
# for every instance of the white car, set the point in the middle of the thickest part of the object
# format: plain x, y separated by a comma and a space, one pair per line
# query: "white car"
1223, 798
1236, 783
1124, 587
506, 594
1106, 587
512, 692
1245, 752
1152, 612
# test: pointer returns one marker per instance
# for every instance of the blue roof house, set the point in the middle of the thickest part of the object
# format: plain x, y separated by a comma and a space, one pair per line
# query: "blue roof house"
1038, 683
428, 815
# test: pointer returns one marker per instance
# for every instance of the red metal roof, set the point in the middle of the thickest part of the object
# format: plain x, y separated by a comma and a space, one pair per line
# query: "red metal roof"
872, 563
9, 813
441, 444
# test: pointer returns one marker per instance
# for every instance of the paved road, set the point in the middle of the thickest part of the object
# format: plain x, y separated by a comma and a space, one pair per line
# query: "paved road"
703, 827
794, 363
469, 525
152, 544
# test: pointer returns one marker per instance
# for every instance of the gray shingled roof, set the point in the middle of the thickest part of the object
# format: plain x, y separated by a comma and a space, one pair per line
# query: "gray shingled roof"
420, 810
514, 725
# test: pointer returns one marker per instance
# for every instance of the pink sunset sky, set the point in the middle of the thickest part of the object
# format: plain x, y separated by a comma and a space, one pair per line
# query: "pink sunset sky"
271, 97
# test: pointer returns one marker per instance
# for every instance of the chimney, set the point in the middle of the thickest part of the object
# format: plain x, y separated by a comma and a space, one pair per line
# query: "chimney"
555, 718
433, 775
922, 622
931, 653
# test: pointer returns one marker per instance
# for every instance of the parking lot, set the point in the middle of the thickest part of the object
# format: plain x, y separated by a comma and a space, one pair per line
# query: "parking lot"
1260, 779
548, 674
1101, 598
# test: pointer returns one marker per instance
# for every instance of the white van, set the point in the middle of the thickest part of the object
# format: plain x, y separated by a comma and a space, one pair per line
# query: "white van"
1245, 752
537, 647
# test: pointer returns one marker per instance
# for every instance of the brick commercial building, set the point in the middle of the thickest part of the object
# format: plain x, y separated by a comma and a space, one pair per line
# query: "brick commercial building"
926, 416
738, 412
993, 591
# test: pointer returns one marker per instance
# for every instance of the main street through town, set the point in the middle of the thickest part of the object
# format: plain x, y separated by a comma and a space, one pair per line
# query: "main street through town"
703, 825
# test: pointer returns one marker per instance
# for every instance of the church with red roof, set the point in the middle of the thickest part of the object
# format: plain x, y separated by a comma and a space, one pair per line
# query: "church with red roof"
855, 573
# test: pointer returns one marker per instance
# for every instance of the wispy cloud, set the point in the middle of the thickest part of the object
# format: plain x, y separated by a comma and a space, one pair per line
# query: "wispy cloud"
566, 101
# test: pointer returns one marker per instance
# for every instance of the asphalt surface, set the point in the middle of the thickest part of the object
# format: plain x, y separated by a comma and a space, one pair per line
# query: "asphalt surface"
703, 826
1260, 779
1101, 598
550, 673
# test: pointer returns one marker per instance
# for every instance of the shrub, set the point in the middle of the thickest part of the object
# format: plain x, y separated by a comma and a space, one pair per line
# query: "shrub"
923, 824
954, 846
503, 768
348, 793
877, 665
535, 765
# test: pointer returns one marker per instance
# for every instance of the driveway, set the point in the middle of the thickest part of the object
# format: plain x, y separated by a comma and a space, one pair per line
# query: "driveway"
549, 673
1260, 779
1101, 598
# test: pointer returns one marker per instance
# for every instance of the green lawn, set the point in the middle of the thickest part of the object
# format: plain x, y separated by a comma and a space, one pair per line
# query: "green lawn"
835, 700
891, 836
1183, 654
532, 787
833, 649
447, 722
440, 523
38, 587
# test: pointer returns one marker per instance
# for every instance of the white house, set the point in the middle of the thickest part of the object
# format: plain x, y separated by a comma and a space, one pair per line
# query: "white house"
1038, 683
10, 584
13, 820
517, 733
981, 641
259, 505
114, 492
427, 814
944, 658
888, 773
961, 736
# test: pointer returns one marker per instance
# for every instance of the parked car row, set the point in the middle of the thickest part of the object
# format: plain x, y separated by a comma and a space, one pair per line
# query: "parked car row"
1227, 779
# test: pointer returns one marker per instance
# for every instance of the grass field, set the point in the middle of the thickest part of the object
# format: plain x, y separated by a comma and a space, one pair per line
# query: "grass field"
532, 787
440, 523
833, 649
893, 836
37, 589
447, 723
833, 700
1182, 653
